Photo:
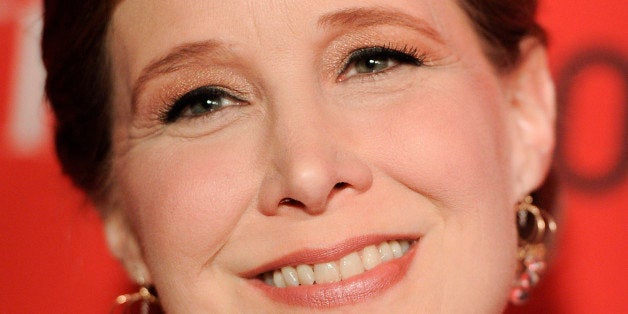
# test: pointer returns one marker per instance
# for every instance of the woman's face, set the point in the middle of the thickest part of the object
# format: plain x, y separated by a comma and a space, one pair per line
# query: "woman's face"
255, 136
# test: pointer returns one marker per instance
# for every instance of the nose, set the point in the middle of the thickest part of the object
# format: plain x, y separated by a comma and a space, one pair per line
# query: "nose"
309, 164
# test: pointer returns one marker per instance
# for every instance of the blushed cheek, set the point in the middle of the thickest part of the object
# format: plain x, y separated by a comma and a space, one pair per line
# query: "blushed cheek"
449, 142
184, 198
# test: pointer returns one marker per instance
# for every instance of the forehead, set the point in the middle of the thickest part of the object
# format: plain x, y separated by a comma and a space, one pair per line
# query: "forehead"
145, 29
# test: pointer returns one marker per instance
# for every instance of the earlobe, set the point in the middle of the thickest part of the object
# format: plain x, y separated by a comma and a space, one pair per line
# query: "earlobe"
533, 106
124, 245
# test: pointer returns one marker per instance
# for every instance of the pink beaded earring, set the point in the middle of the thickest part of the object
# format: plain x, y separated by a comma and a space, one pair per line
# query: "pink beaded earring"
535, 228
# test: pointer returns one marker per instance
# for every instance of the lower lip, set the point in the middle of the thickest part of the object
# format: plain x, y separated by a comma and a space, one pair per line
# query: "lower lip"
351, 291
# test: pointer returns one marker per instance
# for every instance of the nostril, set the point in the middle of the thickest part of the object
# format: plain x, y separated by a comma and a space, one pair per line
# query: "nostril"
291, 202
340, 185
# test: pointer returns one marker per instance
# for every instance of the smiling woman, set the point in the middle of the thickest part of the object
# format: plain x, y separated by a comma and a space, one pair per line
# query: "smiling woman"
313, 155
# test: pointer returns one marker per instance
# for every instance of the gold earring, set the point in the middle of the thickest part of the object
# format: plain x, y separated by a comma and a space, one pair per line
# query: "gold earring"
535, 227
127, 303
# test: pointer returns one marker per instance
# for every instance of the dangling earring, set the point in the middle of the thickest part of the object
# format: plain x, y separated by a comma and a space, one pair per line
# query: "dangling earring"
129, 302
535, 226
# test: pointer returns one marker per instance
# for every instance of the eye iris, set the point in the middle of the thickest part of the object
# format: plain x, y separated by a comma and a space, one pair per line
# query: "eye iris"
199, 102
372, 64
205, 104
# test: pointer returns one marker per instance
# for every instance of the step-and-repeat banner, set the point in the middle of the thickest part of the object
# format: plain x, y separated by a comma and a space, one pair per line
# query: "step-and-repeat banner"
53, 257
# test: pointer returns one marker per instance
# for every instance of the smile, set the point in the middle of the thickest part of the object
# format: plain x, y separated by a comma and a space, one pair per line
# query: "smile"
351, 272
353, 264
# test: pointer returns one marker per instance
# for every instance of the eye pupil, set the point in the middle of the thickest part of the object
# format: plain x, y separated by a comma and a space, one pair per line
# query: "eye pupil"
372, 65
208, 104
199, 102
373, 60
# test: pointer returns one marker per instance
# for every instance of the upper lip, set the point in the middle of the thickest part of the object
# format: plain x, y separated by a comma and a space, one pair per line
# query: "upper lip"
321, 255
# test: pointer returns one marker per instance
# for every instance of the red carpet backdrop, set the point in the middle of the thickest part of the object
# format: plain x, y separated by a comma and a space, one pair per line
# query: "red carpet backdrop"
53, 256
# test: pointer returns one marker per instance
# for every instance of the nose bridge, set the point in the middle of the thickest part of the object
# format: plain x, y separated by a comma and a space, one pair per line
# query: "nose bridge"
299, 120
297, 107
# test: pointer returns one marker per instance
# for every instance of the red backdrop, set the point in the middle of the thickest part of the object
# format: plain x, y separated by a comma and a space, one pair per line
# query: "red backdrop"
52, 252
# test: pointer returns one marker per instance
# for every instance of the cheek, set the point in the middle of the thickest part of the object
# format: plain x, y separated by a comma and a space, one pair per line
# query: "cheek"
184, 200
447, 138
460, 159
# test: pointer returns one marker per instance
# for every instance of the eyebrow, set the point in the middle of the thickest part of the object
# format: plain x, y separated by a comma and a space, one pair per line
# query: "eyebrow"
174, 60
365, 17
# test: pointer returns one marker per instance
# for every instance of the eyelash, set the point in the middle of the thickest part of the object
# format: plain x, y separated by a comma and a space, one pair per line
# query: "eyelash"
404, 55
205, 94
197, 96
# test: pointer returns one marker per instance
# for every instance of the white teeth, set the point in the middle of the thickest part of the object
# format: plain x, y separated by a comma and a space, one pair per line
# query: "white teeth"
351, 265
306, 274
326, 273
405, 246
370, 257
396, 249
290, 276
278, 279
385, 253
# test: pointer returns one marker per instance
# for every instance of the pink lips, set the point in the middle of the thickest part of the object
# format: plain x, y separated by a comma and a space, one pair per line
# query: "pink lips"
348, 291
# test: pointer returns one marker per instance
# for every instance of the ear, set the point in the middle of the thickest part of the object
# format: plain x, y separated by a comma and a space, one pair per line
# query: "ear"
124, 245
533, 106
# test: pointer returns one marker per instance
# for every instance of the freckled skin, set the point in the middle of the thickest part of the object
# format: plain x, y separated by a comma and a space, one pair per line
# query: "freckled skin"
427, 150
